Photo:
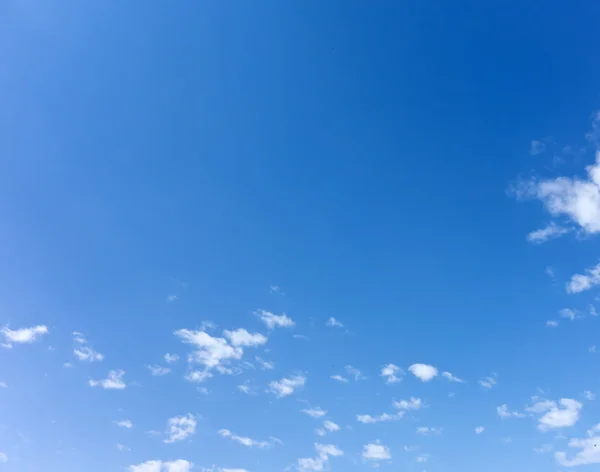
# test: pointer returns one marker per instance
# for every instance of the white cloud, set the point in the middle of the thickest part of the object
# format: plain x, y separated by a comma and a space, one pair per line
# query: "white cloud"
354, 372
245, 389
422, 458
241, 337
573, 198
424, 372
552, 323
248, 442
210, 351
392, 373
564, 414
78, 337
330, 426
592, 349
452, 378
114, 381
180, 427
171, 298
376, 452
265, 365
158, 370
504, 412
179, 465
333, 323
339, 378
428, 431
123, 448
315, 412
274, 321
198, 376
287, 385
318, 464
320, 432
567, 313
274, 288
581, 282
593, 430
552, 231
87, 354
3, 385
592, 310
23, 335
543, 449
488, 382
589, 453
3, 458
384, 417
171, 358
479, 430
588, 395
124, 424
410, 404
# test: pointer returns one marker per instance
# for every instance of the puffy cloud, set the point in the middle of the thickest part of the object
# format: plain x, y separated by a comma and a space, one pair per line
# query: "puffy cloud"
552, 231
589, 453
330, 426
376, 452
158, 370
211, 351
287, 385
392, 373
424, 372
488, 382
384, 417
582, 282
124, 424
114, 381
198, 376
171, 358
87, 354
410, 404
339, 378
179, 465
241, 337
333, 323
428, 431
315, 412
452, 378
248, 442
479, 430
573, 198
274, 321
180, 427
504, 412
564, 414
23, 335
318, 464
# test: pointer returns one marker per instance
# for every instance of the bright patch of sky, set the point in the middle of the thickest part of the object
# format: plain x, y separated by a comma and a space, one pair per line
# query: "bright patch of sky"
301, 236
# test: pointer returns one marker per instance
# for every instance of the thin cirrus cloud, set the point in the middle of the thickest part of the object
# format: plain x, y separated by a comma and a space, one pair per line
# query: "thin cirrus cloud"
316, 412
87, 354
158, 370
244, 441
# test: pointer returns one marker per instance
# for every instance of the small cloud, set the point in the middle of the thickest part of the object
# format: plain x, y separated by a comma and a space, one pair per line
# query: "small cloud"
315, 412
339, 378
274, 321
429, 431
122, 448
287, 385
588, 395
171, 298
355, 373
488, 382
171, 358
158, 370
563, 414
300, 336
87, 354
160, 466
452, 378
504, 412
333, 323
245, 389
179, 428
552, 323
410, 404
568, 313
3, 458
265, 365
592, 310
275, 289
244, 441
376, 452
537, 147
114, 381
422, 458
582, 282
241, 337
551, 231
198, 376
592, 349
330, 426
479, 430
392, 373
127, 424
383, 418
23, 335
424, 372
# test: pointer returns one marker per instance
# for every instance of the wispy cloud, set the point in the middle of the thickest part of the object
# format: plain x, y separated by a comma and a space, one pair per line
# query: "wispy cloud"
582, 282
23, 335
274, 321
114, 381
180, 427
287, 385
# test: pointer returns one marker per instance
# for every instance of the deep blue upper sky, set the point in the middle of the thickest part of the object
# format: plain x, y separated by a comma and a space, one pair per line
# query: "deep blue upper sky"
355, 154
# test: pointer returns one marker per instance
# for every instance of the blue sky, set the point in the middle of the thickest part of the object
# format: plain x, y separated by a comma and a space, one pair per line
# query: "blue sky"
301, 236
